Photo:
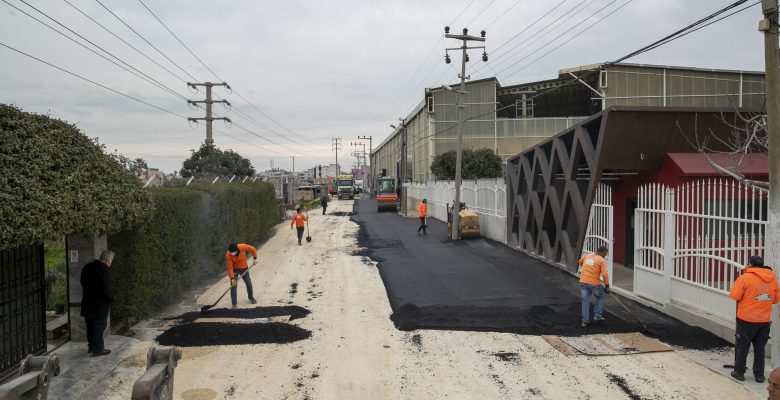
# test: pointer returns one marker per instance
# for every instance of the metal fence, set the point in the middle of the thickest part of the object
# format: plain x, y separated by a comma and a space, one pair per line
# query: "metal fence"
600, 230
486, 197
22, 305
692, 241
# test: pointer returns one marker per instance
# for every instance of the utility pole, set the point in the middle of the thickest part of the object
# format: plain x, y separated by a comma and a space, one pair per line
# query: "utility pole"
209, 118
769, 26
294, 181
465, 38
371, 174
336, 145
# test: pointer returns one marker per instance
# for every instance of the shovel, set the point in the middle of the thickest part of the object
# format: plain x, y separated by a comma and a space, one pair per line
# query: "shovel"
645, 329
208, 307
308, 232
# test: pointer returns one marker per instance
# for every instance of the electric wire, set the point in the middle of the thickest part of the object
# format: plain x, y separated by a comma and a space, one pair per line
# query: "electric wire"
125, 42
132, 70
549, 42
145, 40
503, 14
91, 81
481, 12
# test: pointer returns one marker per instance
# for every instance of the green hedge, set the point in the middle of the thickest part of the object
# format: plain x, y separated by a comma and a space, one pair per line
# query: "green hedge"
183, 240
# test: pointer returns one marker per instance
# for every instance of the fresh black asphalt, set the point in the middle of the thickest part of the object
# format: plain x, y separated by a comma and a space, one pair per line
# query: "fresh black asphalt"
433, 282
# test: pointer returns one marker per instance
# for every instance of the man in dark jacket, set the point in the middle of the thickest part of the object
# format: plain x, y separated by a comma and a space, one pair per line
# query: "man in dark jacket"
96, 300
324, 203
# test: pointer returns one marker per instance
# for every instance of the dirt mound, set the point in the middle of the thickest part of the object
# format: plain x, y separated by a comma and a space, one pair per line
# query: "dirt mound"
246, 313
215, 334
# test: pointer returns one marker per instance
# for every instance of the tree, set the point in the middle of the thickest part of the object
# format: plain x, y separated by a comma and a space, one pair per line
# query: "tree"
211, 161
477, 164
137, 166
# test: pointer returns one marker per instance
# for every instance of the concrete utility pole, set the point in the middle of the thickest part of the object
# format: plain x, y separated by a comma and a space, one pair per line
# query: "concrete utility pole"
403, 168
372, 175
769, 25
209, 119
336, 147
465, 38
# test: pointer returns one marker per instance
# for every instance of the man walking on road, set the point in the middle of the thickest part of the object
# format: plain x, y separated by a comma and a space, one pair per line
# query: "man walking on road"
755, 291
299, 220
324, 203
593, 266
236, 265
96, 300
422, 212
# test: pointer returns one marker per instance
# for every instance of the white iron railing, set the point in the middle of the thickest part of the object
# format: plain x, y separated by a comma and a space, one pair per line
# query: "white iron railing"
692, 241
486, 197
600, 224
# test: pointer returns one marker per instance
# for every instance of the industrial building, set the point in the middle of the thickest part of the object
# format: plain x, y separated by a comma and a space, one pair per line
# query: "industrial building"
511, 119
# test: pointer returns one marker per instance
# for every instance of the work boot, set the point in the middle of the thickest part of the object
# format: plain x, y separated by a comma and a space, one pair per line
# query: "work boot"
235, 306
740, 376
107, 351
252, 300
585, 324
598, 318
760, 378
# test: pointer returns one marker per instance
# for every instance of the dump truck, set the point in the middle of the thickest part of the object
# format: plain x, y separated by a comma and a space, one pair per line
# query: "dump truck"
386, 196
468, 222
345, 187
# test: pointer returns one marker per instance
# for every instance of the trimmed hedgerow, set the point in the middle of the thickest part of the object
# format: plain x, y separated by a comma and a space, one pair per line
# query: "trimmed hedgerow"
183, 240
55, 181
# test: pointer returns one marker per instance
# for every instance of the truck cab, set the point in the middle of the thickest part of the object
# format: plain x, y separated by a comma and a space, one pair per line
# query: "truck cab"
386, 196
345, 187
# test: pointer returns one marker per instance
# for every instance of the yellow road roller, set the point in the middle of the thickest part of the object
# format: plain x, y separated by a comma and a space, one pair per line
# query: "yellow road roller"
468, 222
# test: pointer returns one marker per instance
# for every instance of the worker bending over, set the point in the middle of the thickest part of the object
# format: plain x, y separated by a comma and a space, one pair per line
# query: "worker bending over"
236, 265
594, 266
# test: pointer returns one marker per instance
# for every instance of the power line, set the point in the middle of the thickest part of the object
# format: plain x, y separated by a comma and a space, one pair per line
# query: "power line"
91, 81
503, 14
145, 40
138, 73
125, 42
481, 12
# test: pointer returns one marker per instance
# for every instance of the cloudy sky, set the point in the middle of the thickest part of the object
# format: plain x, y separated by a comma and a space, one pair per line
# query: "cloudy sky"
304, 72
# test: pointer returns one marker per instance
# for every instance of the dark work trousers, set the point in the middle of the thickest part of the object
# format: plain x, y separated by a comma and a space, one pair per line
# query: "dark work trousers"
300, 234
422, 226
95, 329
757, 334
247, 282
324, 208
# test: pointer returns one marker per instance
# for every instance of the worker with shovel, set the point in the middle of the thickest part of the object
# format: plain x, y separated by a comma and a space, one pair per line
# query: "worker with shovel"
299, 220
593, 266
236, 264
755, 291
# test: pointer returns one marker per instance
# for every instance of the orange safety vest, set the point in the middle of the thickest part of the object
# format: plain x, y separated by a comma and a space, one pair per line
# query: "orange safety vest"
298, 220
755, 291
422, 209
593, 267
239, 261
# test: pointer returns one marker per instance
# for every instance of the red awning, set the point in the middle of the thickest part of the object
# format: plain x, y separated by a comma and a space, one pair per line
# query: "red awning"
696, 164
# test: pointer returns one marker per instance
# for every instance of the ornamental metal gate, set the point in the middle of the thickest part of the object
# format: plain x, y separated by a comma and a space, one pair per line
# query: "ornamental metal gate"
22, 305
600, 230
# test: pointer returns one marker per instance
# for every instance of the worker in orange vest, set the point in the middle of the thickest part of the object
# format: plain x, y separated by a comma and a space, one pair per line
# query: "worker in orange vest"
236, 265
298, 220
422, 212
755, 291
593, 267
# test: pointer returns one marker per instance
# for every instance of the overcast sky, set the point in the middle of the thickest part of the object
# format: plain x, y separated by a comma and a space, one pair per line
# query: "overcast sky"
321, 69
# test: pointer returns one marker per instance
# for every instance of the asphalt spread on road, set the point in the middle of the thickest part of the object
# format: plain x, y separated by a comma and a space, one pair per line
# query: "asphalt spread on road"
433, 282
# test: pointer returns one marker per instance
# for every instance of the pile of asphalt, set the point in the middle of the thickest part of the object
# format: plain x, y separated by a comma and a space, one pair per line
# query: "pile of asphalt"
554, 319
188, 333
216, 334
245, 313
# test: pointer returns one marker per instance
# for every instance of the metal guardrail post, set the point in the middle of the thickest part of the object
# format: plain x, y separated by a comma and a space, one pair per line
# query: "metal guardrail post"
157, 382
33, 378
